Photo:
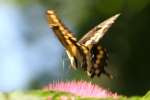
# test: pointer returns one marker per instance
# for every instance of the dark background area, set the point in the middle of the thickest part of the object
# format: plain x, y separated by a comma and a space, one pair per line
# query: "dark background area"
127, 41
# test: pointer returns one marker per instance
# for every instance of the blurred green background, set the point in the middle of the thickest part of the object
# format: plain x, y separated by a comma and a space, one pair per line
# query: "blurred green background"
31, 56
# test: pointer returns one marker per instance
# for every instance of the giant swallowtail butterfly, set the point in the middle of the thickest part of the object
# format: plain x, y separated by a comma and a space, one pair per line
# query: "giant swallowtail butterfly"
85, 53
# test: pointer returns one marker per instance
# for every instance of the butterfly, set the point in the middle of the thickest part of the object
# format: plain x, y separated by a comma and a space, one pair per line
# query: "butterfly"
86, 52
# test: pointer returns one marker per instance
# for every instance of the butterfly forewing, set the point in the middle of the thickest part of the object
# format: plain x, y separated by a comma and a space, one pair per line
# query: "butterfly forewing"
95, 34
62, 32
65, 36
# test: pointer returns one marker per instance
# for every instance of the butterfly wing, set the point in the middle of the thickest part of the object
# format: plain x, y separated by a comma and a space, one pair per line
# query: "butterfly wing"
64, 35
100, 60
95, 34
96, 52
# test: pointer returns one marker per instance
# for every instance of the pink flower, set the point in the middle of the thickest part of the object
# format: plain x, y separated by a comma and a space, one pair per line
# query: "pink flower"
81, 88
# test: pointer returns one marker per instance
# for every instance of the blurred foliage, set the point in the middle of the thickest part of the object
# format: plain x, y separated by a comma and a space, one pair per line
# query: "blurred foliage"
58, 95
127, 40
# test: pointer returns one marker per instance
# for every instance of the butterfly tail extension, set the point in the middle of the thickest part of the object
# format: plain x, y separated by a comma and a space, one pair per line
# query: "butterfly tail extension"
108, 74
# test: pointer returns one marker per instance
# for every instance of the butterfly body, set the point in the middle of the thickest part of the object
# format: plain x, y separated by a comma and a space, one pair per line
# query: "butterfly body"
85, 53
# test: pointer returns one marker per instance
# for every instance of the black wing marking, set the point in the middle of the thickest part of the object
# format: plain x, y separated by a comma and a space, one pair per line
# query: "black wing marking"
95, 34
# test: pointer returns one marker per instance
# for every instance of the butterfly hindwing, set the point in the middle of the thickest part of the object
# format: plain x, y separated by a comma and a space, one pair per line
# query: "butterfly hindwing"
100, 59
